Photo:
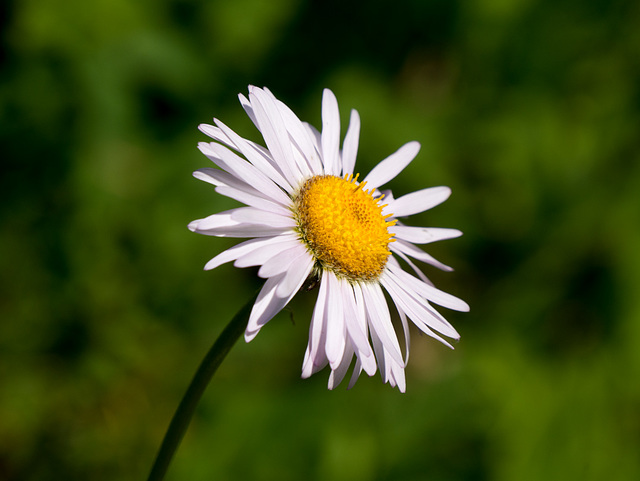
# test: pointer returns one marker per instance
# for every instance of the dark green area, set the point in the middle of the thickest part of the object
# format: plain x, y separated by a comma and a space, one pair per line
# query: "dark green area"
529, 110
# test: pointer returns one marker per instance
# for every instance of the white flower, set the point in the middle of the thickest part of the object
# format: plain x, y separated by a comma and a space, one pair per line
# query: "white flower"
307, 215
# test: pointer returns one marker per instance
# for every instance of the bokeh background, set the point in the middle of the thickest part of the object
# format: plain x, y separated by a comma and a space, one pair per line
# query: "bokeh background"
529, 110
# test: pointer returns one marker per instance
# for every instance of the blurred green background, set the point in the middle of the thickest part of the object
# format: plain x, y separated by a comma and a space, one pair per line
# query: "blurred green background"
529, 110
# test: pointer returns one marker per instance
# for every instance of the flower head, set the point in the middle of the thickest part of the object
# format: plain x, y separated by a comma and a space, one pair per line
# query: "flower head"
307, 215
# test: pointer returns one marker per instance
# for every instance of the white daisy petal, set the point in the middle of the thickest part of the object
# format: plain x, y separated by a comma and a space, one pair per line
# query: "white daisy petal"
253, 215
429, 292
357, 370
367, 361
407, 336
217, 134
409, 307
316, 138
246, 105
330, 133
394, 262
336, 328
297, 274
419, 201
315, 358
240, 168
229, 186
423, 235
381, 356
303, 141
350, 146
378, 315
275, 134
221, 178
268, 304
397, 375
428, 313
245, 231
392, 165
222, 225
419, 311
210, 175
258, 257
253, 200
259, 158
400, 246
280, 262
242, 249
338, 373
355, 322
223, 219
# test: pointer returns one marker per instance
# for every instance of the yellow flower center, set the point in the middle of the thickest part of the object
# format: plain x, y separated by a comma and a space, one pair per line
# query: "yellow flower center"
343, 226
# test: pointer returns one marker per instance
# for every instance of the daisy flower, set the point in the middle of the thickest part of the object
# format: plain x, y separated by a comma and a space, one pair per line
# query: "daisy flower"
308, 216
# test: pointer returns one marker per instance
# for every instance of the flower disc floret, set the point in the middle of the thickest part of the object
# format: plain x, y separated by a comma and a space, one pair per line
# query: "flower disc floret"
343, 226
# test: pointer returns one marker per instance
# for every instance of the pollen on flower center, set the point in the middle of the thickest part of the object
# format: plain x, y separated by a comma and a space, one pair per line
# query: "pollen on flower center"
343, 226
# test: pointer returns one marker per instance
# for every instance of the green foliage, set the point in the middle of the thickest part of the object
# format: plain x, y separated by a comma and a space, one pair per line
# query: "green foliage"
529, 110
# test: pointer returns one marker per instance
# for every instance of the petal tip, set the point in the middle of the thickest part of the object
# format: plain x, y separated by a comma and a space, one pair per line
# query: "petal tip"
464, 307
193, 225
250, 335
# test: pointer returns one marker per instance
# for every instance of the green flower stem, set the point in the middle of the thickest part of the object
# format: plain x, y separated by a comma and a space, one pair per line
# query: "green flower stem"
200, 381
